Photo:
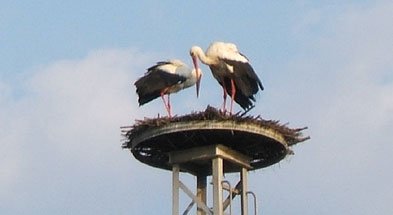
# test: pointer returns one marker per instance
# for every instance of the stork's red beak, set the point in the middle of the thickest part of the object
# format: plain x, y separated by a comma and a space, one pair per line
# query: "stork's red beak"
198, 74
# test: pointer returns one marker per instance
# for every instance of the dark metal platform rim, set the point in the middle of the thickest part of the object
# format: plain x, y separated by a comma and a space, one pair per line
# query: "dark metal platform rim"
210, 125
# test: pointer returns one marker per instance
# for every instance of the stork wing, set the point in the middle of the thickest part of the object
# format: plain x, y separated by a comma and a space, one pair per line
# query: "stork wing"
237, 64
155, 80
161, 65
169, 66
245, 75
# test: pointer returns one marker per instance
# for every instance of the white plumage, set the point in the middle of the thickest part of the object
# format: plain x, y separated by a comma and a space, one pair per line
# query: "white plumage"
223, 50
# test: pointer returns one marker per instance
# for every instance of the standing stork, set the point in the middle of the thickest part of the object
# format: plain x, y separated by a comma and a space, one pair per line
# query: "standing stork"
232, 70
166, 77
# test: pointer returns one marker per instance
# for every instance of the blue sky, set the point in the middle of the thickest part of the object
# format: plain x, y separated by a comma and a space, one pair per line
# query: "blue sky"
66, 86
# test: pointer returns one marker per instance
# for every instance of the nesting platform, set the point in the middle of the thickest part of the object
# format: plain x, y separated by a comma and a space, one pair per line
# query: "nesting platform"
259, 142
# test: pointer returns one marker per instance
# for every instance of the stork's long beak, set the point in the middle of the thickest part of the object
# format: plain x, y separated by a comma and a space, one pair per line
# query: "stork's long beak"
198, 82
198, 74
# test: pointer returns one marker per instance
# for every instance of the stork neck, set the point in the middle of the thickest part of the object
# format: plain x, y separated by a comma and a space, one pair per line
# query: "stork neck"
205, 59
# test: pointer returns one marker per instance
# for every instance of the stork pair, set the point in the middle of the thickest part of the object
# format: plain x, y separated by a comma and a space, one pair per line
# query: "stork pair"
228, 66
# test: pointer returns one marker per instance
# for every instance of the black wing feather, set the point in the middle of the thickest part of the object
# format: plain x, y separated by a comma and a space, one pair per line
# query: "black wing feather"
246, 81
150, 86
154, 68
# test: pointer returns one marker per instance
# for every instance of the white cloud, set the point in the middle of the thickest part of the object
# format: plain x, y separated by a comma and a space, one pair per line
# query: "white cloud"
60, 145
63, 138
83, 98
339, 86
4, 92
11, 154
359, 51
12, 131
344, 69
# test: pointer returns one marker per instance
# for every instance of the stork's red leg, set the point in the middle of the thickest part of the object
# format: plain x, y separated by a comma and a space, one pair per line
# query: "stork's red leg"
233, 93
225, 99
167, 107
163, 100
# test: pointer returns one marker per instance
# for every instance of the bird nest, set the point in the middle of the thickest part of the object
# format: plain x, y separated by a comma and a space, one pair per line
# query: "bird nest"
265, 142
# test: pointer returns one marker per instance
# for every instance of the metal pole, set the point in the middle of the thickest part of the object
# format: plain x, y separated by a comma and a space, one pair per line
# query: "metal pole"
255, 201
194, 198
201, 192
175, 189
230, 196
244, 200
217, 186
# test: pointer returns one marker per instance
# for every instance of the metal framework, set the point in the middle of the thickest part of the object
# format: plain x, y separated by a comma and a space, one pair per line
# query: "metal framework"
211, 144
218, 156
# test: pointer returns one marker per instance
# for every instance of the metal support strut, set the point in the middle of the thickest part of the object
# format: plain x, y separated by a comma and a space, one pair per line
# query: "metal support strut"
218, 156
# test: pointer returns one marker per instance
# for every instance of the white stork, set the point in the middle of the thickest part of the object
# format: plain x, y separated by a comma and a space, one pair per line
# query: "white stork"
232, 70
166, 77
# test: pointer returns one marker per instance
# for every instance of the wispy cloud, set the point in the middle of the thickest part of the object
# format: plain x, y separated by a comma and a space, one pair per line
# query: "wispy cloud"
337, 84
63, 136
60, 141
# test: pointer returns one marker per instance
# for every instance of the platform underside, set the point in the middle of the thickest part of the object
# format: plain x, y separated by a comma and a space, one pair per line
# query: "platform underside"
264, 142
